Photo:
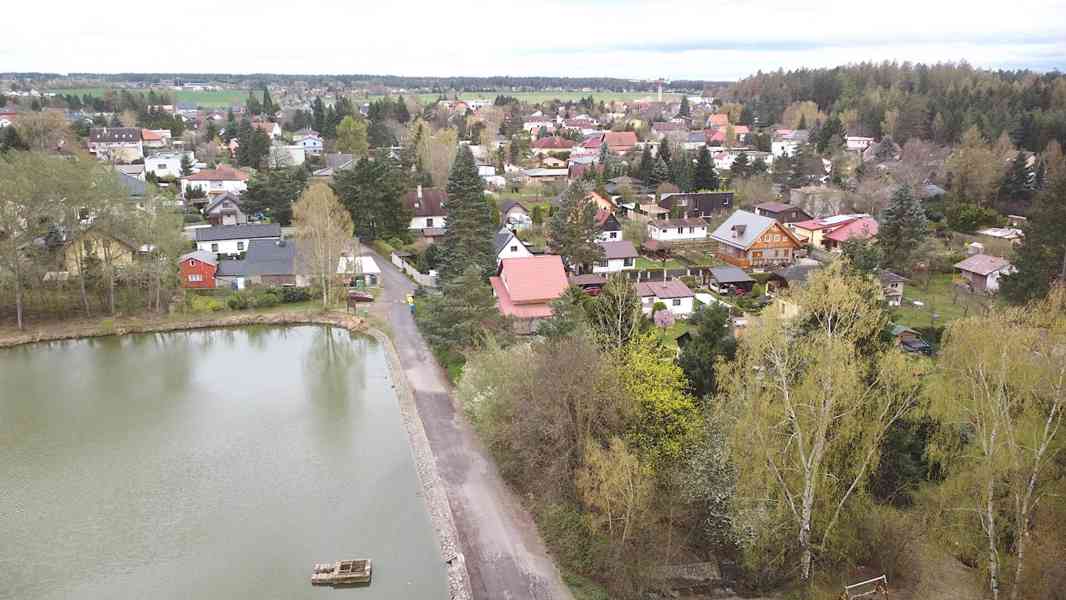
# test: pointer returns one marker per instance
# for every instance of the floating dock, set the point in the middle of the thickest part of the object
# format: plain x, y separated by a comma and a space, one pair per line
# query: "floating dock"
344, 572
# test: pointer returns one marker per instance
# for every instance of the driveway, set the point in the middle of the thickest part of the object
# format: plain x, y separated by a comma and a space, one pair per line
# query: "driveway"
504, 554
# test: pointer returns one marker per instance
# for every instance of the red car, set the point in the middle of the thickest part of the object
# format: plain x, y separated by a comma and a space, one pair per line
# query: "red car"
356, 296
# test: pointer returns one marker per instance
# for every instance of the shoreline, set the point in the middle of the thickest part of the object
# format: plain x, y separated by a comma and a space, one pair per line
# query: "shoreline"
431, 485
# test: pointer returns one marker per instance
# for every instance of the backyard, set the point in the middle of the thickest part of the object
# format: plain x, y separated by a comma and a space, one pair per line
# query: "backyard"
939, 299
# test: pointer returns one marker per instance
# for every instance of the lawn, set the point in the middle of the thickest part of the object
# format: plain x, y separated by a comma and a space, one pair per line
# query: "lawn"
941, 299
646, 264
206, 99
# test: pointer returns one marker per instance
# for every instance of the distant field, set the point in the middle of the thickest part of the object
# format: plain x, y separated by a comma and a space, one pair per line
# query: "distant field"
207, 99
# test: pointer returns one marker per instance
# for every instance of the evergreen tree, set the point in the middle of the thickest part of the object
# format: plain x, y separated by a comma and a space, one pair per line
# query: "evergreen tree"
11, 140
706, 177
825, 139
252, 104
903, 228
401, 113
681, 170
373, 191
572, 229
1041, 257
740, 168
379, 136
659, 173
665, 152
272, 194
605, 155
647, 163
269, 108
318, 115
683, 110
186, 165
747, 117
1018, 182
710, 340
467, 243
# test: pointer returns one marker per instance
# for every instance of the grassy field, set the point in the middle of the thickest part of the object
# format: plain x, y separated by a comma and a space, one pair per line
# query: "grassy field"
938, 298
206, 99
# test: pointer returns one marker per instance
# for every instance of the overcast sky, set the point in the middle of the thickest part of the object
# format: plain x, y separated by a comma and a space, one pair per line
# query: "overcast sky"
674, 39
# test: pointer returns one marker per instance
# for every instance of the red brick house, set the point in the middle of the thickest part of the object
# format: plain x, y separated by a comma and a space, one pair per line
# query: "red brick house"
198, 270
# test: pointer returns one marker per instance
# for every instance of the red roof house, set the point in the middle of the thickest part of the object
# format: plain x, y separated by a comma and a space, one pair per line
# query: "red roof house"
620, 142
549, 144
524, 287
198, 270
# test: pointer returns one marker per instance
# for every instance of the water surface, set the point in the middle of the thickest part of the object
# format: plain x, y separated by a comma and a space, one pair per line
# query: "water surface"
207, 464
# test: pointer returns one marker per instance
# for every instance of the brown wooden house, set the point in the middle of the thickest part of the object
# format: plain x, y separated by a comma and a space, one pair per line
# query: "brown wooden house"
748, 240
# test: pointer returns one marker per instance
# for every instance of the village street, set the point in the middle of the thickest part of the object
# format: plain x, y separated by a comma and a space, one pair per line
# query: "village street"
504, 554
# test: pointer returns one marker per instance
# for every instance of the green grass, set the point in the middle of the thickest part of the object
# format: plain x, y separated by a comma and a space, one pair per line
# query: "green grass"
940, 298
646, 264
206, 99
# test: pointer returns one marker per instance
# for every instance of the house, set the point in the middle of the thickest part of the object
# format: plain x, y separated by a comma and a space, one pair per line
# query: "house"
678, 230
96, 244
781, 212
610, 229
891, 287
359, 271
982, 272
545, 175
525, 287
857, 143
748, 240
507, 245
310, 142
266, 262
718, 120
197, 270
784, 282
166, 164
909, 340
620, 142
273, 130
513, 213
235, 239
548, 162
546, 145
225, 210
786, 142
334, 161
601, 202
697, 204
213, 182
617, 257
535, 123
730, 280
679, 300
155, 138
116, 144
428, 213
829, 233
134, 171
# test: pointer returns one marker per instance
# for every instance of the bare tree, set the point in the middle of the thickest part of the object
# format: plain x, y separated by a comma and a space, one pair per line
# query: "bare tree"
323, 232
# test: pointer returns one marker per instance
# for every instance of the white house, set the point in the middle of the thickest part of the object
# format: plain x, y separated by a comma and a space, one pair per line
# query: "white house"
166, 164
216, 181
858, 143
679, 300
787, 141
508, 245
983, 271
428, 212
311, 143
678, 230
234, 239
118, 144
618, 256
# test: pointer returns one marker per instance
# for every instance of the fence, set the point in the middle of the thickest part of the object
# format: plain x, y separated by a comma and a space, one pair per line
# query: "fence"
412, 272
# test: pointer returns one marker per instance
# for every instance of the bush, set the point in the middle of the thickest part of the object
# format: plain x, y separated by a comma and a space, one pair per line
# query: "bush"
239, 301
294, 294
690, 281
196, 304
266, 299
382, 247
657, 307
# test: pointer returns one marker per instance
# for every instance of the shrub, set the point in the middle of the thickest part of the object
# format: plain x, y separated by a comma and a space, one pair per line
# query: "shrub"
657, 307
382, 247
294, 294
266, 299
239, 301
690, 281
195, 303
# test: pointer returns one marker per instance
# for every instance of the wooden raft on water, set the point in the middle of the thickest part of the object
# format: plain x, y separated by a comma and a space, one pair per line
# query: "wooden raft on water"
344, 572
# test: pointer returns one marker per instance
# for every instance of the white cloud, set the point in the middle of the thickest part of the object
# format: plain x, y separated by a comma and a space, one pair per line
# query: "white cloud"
680, 39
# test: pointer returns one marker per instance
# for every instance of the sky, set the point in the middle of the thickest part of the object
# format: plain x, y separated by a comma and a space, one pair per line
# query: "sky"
672, 39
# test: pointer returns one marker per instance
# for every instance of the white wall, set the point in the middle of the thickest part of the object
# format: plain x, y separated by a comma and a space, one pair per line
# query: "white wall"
783, 148
163, 166
214, 187
615, 265
682, 310
226, 246
671, 234
422, 223
513, 249
609, 236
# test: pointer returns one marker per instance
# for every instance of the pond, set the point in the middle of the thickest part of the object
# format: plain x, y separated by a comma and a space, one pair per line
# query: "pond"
207, 464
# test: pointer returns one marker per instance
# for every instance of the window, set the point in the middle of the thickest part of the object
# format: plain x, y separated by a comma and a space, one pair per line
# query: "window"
514, 248
614, 235
429, 222
692, 230
214, 247
240, 246
680, 230
627, 262
677, 302
195, 277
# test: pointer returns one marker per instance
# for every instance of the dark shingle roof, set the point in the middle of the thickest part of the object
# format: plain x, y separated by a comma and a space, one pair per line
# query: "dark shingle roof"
264, 257
730, 275
115, 134
238, 232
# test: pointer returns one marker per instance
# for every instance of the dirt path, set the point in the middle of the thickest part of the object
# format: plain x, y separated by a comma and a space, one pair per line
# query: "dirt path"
504, 554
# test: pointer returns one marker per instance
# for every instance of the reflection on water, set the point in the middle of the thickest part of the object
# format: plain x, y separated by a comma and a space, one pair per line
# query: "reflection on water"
206, 464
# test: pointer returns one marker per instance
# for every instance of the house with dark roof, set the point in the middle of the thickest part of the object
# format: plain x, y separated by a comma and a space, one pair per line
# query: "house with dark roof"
266, 262
781, 212
677, 297
618, 256
525, 287
235, 239
116, 144
748, 240
982, 272
507, 245
784, 283
610, 229
428, 213
697, 204
515, 214
730, 279
333, 162
225, 210
891, 286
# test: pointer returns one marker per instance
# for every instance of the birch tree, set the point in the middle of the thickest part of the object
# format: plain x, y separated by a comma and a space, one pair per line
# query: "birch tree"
810, 401
324, 232
1000, 400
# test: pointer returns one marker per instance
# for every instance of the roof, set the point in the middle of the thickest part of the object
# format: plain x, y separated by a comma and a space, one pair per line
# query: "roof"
774, 207
263, 257
618, 249
201, 255
742, 228
831, 223
431, 204
730, 274
507, 206
863, 228
620, 138
983, 264
367, 265
675, 223
533, 279
149, 135
718, 120
546, 172
245, 231
674, 288
222, 173
115, 134
220, 199
503, 238
588, 279
606, 220
134, 186
888, 277
797, 273
553, 143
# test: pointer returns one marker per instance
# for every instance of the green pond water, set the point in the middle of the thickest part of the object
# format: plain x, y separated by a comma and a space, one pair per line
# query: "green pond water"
207, 464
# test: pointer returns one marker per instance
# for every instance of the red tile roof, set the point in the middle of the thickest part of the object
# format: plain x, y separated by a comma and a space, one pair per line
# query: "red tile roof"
222, 173
148, 135
620, 139
863, 229
525, 286
718, 120
553, 143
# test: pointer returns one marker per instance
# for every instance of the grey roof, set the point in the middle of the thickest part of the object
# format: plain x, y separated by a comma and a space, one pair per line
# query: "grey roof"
797, 273
238, 232
674, 288
115, 134
201, 255
749, 227
982, 264
619, 249
135, 187
222, 198
503, 237
263, 257
888, 277
511, 204
730, 274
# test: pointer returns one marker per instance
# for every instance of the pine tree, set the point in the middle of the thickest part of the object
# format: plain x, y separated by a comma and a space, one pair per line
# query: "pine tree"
825, 138
1018, 182
659, 173
803, 122
683, 110
401, 114
186, 165
469, 236
706, 177
269, 107
903, 228
252, 104
1041, 257
318, 112
681, 170
572, 229
740, 168
664, 151
647, 163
